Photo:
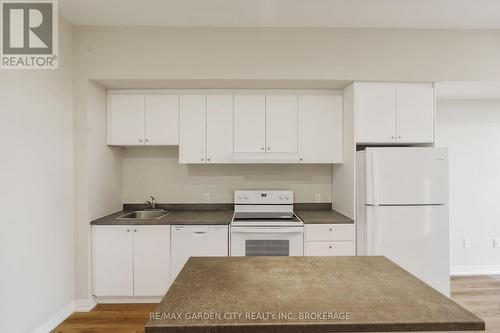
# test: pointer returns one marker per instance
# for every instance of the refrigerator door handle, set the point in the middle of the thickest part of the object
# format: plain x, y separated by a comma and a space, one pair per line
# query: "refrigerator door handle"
374, 177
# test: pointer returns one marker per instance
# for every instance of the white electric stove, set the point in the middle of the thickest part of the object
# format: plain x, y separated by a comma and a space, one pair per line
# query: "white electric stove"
264, 224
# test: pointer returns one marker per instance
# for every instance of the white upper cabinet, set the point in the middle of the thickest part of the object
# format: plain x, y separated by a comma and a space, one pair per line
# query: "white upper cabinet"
136, 120
161, 120
249, 123
375, 113
126, 120
399, 113
320, 128
281, 123
219, 147
192, 128
415, 114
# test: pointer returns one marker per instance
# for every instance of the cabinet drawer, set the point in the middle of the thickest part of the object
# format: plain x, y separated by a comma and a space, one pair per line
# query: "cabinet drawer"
329, 232
329, 249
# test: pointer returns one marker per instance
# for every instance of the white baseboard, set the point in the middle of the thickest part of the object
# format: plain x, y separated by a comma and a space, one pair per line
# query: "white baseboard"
475, 270
131, 299
84, 304
55, 319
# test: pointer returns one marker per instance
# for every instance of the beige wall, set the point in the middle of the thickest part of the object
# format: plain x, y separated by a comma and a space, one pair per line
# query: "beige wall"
471, 131
287, 53
36, 192
157, 172
257, 53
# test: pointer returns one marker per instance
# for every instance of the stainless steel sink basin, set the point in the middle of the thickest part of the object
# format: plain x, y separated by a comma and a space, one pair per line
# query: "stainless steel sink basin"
144, 215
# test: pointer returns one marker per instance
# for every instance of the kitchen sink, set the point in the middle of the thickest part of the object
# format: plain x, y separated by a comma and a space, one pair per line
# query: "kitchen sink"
144, 215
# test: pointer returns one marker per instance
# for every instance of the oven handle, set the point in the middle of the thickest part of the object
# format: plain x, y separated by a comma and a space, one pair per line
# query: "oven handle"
298, 230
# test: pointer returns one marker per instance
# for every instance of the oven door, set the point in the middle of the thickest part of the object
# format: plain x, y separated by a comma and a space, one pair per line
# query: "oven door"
270, 241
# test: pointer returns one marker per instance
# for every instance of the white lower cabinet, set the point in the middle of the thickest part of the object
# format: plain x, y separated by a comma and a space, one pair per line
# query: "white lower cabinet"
130, 260
197, 241
329, 240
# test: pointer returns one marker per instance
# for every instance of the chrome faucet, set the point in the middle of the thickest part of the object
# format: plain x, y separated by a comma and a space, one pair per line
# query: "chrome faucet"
152, 203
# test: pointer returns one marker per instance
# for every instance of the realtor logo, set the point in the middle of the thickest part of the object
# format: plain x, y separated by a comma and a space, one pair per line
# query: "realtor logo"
29, 34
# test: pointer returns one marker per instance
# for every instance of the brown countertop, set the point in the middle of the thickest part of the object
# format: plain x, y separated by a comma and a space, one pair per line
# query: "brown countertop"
322, 216
241, 295
186, 217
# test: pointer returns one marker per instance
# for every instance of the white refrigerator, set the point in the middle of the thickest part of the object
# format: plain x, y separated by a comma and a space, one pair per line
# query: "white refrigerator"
402, 210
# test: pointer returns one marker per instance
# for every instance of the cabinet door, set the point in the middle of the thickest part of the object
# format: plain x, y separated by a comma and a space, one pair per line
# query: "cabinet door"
151, 260
249, 123
281, 123
161, 121
329, 249
192, 128
197, 241
112, 254
219, 128
320, 129
126, 120
375, 113
415, 114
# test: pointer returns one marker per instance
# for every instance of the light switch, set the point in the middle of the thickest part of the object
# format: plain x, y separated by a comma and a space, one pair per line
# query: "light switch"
466, 242
496, 242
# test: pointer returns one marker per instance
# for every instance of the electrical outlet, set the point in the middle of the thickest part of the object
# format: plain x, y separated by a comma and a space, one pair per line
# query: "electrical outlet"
466, 243
206, 197
496, 242
317, 197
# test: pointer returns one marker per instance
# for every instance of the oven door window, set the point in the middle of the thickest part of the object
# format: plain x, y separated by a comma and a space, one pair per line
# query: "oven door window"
267, 247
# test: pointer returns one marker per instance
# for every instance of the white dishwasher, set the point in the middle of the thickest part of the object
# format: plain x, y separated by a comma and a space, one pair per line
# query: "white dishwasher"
196, 241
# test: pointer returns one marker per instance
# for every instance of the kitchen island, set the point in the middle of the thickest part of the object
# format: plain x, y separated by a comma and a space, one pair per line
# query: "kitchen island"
304, 295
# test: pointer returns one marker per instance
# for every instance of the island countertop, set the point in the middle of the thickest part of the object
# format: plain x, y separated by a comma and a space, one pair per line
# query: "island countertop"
304, 295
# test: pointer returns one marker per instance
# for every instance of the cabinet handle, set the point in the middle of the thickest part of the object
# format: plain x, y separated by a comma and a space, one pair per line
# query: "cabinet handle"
208, 159
330, 247
392, 137
128, 230
140, 140
147, 140
301, 159
399, 137
330, 229
135, 230
202, 159
261, 148
268, 148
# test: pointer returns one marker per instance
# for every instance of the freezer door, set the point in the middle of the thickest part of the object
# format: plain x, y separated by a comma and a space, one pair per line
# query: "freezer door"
406, 176
414, 237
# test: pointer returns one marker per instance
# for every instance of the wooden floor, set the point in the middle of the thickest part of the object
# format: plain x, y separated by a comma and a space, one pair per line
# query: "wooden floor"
478, 294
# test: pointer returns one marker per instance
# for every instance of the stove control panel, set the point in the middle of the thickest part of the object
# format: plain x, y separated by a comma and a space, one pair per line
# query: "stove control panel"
263, 197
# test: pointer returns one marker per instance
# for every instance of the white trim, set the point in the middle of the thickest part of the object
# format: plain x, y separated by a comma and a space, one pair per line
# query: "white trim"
474, 270
55, 319
128, 299
84, 304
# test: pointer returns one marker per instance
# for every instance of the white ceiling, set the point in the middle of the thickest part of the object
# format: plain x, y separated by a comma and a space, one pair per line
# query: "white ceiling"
468, 90
440, 14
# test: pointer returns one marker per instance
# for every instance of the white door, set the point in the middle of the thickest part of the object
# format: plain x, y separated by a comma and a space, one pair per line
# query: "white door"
414, 237
161, 124
406, 176
126, 120
320, 128
281, 123
219, 128
249, 123
112, 261
192, 128
151, 260
196, 241
375, 113
415, 114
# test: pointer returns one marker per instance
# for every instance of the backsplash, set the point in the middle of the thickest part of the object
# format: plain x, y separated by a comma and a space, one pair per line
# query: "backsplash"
157, 172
